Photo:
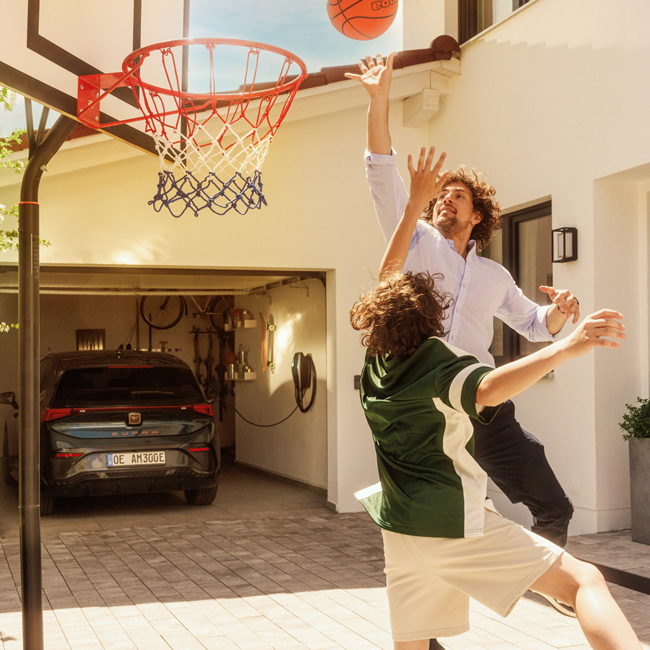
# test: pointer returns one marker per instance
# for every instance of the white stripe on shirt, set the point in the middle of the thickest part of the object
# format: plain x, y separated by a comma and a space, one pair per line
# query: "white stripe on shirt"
458, 432
456, 388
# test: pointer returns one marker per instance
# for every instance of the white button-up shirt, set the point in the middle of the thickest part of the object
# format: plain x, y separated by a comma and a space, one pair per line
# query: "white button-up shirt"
481, 288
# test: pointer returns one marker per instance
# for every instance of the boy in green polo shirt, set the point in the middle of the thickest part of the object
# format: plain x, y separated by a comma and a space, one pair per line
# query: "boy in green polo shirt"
443, 541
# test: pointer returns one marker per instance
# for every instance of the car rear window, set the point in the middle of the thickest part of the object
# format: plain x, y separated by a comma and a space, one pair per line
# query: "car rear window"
116, 386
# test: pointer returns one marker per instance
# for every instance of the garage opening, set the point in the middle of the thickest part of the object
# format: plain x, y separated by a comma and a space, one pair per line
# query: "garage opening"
239, 330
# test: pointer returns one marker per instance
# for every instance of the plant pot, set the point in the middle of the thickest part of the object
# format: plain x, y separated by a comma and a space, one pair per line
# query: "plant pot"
640, 489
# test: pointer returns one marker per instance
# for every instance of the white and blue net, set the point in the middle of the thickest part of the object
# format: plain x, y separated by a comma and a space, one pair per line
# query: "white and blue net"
212, 143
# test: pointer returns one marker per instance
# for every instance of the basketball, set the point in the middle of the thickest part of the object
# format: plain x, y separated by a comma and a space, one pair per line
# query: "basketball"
362, 20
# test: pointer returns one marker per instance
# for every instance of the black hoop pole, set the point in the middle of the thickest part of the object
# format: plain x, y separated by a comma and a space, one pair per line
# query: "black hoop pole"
29, 383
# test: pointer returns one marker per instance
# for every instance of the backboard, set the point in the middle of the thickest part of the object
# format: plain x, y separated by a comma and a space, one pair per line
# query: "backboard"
48, 44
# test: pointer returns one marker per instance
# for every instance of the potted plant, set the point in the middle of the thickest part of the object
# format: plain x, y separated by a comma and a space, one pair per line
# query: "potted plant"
636, 427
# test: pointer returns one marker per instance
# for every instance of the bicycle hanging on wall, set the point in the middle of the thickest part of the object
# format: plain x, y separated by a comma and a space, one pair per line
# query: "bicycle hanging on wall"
162, 312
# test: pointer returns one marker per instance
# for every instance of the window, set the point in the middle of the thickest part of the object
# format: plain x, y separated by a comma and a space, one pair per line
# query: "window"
523, 246
112, 386
476, 15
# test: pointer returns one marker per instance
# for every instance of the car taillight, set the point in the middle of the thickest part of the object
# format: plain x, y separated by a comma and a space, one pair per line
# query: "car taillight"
199, 449
204, 409
63, 454
56, 414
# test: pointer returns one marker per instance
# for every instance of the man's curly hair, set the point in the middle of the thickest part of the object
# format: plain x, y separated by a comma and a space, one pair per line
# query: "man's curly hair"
484, 203
400, 314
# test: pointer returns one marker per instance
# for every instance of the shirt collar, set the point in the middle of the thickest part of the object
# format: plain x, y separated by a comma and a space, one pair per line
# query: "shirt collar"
471, 246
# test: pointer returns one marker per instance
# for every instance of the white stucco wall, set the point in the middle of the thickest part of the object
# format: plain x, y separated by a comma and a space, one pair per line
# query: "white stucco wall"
548, 102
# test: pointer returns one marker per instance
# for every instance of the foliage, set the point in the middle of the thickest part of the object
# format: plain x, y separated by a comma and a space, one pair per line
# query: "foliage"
636, 422
7, 101
6, 151
9, 238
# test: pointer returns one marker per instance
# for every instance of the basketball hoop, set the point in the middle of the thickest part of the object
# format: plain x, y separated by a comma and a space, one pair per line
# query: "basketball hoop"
211, 141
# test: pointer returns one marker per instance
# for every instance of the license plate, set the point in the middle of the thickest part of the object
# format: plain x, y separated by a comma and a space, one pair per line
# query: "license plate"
135, 458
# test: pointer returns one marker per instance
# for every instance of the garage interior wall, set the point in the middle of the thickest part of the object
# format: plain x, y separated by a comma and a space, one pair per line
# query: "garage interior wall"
296, 448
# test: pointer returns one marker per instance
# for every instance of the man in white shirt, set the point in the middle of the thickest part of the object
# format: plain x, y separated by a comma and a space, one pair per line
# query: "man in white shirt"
460, 221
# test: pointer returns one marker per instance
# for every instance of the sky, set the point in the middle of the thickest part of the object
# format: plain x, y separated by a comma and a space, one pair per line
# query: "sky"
300, 26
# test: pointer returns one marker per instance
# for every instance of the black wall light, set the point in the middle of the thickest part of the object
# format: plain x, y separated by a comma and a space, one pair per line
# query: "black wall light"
565, 244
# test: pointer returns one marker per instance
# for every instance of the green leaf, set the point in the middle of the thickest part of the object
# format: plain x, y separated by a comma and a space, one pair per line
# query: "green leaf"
5, 327
636, 421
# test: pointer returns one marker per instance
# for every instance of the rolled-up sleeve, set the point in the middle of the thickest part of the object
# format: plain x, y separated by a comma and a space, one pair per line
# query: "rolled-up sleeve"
387, 190
524, 316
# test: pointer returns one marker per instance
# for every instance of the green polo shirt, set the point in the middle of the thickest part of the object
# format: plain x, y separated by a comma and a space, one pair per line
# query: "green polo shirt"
417, 408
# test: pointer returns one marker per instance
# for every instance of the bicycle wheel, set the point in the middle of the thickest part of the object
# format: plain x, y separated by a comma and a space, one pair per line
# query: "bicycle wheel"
216, 314
162, 312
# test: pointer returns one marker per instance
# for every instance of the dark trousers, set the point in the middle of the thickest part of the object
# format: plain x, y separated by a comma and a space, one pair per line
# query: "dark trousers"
515, 460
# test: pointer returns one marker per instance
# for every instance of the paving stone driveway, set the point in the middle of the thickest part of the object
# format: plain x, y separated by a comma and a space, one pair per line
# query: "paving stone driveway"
302, 577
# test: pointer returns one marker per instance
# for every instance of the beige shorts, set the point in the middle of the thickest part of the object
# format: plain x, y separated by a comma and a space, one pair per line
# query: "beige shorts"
430, 579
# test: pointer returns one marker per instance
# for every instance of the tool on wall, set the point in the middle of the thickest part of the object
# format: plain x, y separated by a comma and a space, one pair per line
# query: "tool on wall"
209, 370
267, 330
197, 354
303, 372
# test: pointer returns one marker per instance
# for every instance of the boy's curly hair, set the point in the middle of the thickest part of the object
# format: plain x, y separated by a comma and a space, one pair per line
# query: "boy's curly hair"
400, 314
484, 203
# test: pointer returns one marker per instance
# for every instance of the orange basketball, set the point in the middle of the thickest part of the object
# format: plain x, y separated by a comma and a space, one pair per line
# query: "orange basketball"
362, 19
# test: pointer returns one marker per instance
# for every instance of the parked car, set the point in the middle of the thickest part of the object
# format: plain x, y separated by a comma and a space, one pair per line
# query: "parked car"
115, 422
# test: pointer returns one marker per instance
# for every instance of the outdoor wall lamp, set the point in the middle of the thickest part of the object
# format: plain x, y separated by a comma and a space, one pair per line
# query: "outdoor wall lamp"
565, 244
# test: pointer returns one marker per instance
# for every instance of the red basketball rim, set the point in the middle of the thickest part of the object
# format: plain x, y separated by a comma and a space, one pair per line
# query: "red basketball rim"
131, 65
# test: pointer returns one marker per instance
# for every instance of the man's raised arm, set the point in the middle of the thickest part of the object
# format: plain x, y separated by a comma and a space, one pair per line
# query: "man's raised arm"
375, 77
426, 182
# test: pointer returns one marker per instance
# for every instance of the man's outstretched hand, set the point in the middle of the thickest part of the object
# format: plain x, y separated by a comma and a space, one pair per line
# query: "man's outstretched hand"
566, 303
426, 179
375, 74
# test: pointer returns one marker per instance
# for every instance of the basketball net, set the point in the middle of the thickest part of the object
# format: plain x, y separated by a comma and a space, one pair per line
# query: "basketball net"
211, 145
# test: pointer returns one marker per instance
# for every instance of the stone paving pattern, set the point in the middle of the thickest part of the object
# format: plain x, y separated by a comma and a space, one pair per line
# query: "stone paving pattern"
291, 576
